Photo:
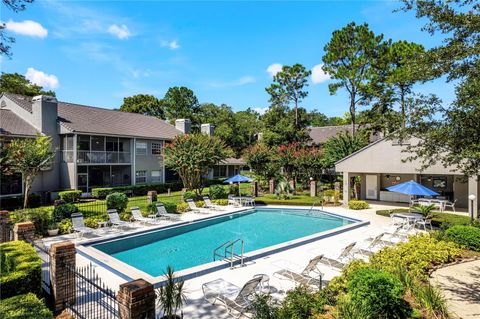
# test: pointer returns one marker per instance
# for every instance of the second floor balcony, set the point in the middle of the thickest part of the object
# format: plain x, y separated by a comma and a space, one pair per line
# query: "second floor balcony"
99, 157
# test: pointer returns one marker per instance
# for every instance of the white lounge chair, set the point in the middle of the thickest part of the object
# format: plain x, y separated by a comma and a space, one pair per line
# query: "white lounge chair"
304, 277
425, 222
163, 214
137, 216
194, 208
115, 219
78, 225
338, 262
209, 204
373, 246
236, 300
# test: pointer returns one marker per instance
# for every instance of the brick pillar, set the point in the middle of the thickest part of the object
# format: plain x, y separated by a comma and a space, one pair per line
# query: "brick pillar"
255, 189
313, 188
271, 186
136, 300
62, 278
5, 226
151, 197
24, 231
337, 186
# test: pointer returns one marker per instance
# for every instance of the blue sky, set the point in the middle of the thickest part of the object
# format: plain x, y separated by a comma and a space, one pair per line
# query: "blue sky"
98, 52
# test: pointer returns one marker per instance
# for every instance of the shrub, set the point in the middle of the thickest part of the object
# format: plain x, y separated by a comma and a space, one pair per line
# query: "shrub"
465, 236
301, 302
431, 299
170, 207
416, 255
26, 306
377, 293
358, 204
329, 193
70, 196
200, 203
64, 211
182, 207
102, 193
221, 202
233, 189
118, 201
20, 269
217, 192
92, 222
34, 200
444, 220
65, 226
40, 217
264, 307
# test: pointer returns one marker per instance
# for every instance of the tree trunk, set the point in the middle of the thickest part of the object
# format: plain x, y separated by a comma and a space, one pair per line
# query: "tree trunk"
402, 104
25, 195
352, 113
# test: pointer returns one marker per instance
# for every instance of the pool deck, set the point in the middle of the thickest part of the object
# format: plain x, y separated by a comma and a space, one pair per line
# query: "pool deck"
197, 307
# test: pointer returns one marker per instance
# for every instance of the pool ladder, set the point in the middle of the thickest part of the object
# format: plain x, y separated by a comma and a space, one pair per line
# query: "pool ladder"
229, 252
313, 205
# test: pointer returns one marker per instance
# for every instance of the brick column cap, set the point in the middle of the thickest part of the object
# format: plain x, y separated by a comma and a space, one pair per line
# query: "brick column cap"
136, 287
24, 225
64, 245
4, 213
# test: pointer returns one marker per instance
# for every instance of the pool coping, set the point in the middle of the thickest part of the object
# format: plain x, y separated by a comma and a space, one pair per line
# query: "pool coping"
129, 272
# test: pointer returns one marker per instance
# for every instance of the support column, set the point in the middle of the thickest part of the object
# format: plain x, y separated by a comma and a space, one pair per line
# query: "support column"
473, 190
313, 188
5, 226
255, 189
346, 188
24, 231
62, 278
136, 300
271, 186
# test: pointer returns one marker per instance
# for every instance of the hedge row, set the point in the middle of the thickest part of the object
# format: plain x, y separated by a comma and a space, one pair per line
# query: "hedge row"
439, 219
70, 196
26, 306
21, 269
137, 190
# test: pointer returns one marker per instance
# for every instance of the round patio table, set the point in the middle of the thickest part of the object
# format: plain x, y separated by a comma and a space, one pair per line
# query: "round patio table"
410, 217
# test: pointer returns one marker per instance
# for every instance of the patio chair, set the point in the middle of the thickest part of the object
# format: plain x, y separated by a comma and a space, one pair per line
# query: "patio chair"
236, 300
163, 214
304, 277
232, 201
115, 219
78, 225
193, 207
372, 247
450, 204
342, 259
209, 204
137, 216
425, 222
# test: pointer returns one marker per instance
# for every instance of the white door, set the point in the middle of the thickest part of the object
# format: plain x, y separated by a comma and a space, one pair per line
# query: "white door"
371, 186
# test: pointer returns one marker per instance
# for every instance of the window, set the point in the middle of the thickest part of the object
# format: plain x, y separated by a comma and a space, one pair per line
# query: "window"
156, 177
219, 171
141, 148
157, 148
140, 177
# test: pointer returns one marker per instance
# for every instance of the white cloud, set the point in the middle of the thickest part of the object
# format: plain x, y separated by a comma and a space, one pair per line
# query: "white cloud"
120, 31
274, 68
239, 82
261, 110
40, 78
171, 44
27, 27
318, 75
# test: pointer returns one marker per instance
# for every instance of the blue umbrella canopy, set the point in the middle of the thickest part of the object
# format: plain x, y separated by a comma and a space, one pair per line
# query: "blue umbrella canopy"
412, 188
237, 179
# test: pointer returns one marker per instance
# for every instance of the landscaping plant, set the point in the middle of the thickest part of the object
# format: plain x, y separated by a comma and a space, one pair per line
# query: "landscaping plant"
118, 201
26, 306
358, 204
171, 296
70, 196
217, 192
465, 236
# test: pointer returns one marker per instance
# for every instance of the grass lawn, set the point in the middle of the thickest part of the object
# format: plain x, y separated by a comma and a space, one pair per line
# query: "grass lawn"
298, 200
438, 217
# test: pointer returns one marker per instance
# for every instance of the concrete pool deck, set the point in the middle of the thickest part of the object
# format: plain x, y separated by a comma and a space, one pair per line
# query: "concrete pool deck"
197, 307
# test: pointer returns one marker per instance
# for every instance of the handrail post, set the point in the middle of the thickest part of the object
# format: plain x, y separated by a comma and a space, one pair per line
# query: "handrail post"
241, 261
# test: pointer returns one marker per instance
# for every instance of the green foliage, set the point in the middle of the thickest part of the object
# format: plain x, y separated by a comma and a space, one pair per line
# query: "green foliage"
92, 222
301, 303
283, 190
217, 192
182, 208
64, 211
341, 146
264, 307
137, 190
425, 210
70, 196
192, 156
143, 104
439, 219
190, 195
358, 204
221, 202
233, 189
346, 308
26, 306
18, 84
40, 217
171, 295
180, 103
431, 299
465, 236
65, 226
102, 192
200, 203
118, 201
170, 207
261, 159
416, 255
29, 157
378, 293
20, 270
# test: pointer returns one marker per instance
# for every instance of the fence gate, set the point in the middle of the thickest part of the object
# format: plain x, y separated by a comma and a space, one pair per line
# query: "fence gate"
93, 299
42, 251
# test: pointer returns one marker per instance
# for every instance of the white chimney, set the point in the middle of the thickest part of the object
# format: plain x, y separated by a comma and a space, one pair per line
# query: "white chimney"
183, 125
45, 113
208, 129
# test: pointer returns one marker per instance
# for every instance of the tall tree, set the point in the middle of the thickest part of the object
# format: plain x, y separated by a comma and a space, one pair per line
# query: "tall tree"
317, 118
350, 59
288, 87
6, 40
341, 146
452, 136
180, 102
262, 160
29, 157
18, 84
280, 129
143, 104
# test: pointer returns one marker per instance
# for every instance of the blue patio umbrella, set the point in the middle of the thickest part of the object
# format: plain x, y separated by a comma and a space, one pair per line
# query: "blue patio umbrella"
412, 188
237, 179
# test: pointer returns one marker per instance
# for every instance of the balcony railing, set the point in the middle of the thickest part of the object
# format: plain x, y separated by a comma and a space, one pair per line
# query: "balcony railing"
99, 157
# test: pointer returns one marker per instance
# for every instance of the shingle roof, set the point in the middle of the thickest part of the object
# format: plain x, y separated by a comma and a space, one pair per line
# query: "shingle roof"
233, 161
321, 134
95, 120
12, 124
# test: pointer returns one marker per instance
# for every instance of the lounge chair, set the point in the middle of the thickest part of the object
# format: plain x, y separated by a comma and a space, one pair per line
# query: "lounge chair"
425, 222
194, 208
78, 225
342, 259
231, 296
304, 277
163, 214
233, 202
137, 216
115, 219
375, 243
209, 204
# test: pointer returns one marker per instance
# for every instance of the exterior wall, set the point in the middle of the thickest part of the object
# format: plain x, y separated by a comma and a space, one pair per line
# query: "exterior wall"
149, 162
67, 176
460, 189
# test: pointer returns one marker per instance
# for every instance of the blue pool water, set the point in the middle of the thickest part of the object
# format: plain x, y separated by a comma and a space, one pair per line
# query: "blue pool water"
193, 244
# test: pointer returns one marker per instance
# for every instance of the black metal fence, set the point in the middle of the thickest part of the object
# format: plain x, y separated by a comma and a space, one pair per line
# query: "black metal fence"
42, 251
91, 298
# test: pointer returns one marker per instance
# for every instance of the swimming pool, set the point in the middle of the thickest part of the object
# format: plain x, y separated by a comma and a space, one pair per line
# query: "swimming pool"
191, 245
